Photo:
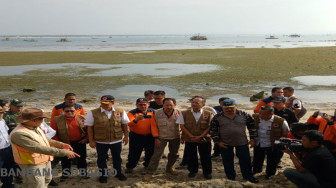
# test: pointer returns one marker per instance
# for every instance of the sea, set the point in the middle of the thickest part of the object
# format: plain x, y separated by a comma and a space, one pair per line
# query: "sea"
158, 42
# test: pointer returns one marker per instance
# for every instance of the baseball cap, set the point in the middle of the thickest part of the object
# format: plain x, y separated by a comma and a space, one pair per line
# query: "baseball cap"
229, 103
140, 100
106, 99
16, 102
279, 99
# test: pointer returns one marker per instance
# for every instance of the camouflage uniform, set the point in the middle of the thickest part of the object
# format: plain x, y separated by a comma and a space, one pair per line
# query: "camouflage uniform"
10, 119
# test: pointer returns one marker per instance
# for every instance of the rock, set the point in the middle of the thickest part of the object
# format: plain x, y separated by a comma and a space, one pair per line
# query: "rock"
27, 89
258, 96
88, 100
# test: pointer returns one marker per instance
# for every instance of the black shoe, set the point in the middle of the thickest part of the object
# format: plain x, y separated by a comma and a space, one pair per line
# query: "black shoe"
103, 179
85, 177
18, 179
63, 178
232, 179
191, 175
208, 176
214, 155
268, 177
183, 163
128, 170
164, 156
121, 177
53, 183
252, 180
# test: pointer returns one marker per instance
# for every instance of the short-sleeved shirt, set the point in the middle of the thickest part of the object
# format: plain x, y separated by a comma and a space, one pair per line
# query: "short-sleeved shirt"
154, 105
322, 164
264, 131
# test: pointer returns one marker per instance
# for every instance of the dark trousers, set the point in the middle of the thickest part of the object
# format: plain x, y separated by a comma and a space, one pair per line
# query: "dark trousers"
216, 149
80, 149
137, 143
259, 157
243, 154
204, 150
6, 163
185, 156
102, 151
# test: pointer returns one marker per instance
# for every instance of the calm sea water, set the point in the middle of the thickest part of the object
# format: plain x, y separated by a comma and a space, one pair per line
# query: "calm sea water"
158, 42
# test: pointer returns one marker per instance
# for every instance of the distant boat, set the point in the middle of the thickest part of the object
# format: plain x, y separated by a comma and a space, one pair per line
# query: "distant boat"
198, 37
294, 35
29, 40
272, 37
63, 40
6, 39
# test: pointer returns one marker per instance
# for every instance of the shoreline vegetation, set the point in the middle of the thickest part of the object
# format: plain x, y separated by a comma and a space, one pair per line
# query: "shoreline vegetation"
242, 71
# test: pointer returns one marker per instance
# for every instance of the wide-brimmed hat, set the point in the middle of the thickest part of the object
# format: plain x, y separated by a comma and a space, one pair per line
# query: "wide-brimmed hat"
29, 114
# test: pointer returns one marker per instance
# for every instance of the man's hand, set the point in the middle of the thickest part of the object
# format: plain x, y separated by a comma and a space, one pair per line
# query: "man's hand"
71, 154
125, 140
92, 144
286, 150
182, 141
157, 143
139, 117
67, 146
316, 113
222, 145
196, 139
251, 143
83, 141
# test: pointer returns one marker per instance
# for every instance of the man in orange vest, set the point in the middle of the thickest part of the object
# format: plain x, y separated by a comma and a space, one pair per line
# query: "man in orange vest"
70, 98
33, 151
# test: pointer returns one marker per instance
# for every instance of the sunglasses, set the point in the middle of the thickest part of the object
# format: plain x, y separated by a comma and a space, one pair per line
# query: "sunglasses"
67, 111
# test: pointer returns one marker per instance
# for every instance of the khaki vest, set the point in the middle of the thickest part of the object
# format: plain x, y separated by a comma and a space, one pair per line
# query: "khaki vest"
63, 129
168, 128
24, 156
107, 130
196, 128
276, 129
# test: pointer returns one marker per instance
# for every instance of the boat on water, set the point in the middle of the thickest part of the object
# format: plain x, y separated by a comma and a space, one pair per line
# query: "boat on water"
272, 37
29, 40
294, 35
63, 40
198, 37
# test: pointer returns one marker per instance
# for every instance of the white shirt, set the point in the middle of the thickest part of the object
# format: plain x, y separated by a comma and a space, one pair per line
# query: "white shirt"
197, 115
264, 132
4, 137
48, 131
89, 121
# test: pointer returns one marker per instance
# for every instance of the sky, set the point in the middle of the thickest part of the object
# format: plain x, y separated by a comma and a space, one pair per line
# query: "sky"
127, 17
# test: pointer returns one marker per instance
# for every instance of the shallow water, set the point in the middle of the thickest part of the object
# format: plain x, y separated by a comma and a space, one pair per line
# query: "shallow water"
316, 80
162, 70
318, 96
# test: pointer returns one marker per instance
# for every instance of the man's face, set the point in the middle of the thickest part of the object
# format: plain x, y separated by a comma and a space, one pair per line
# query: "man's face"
16, 109
6, 107
277, 93
306, 143
69, 112
35, 122
197, 104
108, 106
230, 111
150, 97
279, 105
159, 99
265, 115
70, 100
287, 93
142, 106
168, 106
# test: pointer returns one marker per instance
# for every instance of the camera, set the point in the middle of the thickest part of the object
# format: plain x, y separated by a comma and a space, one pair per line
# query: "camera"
293, 145
147, 116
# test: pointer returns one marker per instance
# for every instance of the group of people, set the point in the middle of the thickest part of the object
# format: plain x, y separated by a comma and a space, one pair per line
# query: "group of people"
28, 142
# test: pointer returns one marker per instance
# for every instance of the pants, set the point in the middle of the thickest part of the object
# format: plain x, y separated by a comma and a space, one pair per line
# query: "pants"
102, 151
204, 150
173, 146
185, 156
216, 149
80, 149
137, 143
302, 180
6, 163
259, 157
243, 154
38, 181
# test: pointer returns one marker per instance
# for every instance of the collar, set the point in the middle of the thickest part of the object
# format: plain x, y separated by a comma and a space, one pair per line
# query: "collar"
169, 115
270, 120
103, 110
201, 111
